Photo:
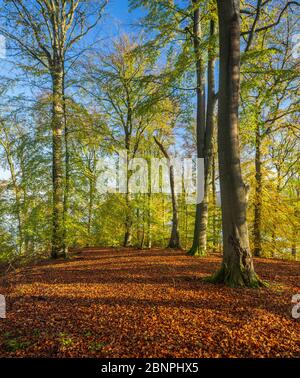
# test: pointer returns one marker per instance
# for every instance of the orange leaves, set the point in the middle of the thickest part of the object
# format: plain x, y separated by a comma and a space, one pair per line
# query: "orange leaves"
124, 304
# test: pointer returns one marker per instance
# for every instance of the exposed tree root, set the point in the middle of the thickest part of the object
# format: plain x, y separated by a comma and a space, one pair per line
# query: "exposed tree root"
236, 278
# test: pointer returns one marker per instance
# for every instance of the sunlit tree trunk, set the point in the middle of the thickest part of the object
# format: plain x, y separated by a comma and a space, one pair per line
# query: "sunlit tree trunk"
174, 241
237, 267
58, 245
208, 144
16, 189
200, 219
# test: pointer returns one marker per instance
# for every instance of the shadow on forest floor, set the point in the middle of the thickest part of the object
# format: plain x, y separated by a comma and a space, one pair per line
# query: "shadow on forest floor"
133, 303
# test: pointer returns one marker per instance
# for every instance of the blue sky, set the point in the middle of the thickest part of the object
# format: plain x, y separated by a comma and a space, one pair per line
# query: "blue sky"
117, 19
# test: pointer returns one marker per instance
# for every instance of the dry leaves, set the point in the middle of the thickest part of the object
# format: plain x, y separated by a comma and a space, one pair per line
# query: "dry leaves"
128, 303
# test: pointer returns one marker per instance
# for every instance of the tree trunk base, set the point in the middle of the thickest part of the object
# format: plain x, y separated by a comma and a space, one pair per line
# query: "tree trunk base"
196, 252
127, 239
60, 255
236, 278
174, 246
257, 252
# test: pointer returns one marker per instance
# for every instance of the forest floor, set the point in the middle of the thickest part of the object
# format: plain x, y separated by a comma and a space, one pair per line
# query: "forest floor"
130, 303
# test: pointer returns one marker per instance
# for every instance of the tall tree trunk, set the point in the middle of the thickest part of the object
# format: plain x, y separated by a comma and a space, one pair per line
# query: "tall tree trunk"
90, 215
258, 195
58, 245
274, 228
200, 235
208, 143
67, 166
128, 215
92, 165
200, 126
237, 267
17, 191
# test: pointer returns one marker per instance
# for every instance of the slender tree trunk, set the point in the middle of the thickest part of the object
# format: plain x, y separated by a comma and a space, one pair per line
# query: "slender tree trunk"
164, 219
143, 230
143, 224
206, 138
174, 241
200, 127
58, 245
274, 229
67, 167
128, 222
186, 224
128, 216
214, 204
208, 145
24, 209
149, 232
237, 267
295, 228
258, 195
17, 192
138, 228
92, 164
90, 215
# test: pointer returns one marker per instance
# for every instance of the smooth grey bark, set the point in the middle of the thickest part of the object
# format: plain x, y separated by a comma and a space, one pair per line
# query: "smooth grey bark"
200, 121
205, 130
208, 143
237, 266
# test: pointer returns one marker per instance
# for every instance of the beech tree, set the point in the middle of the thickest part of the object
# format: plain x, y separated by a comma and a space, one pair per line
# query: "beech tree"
237, 267
127, 90
45, 31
